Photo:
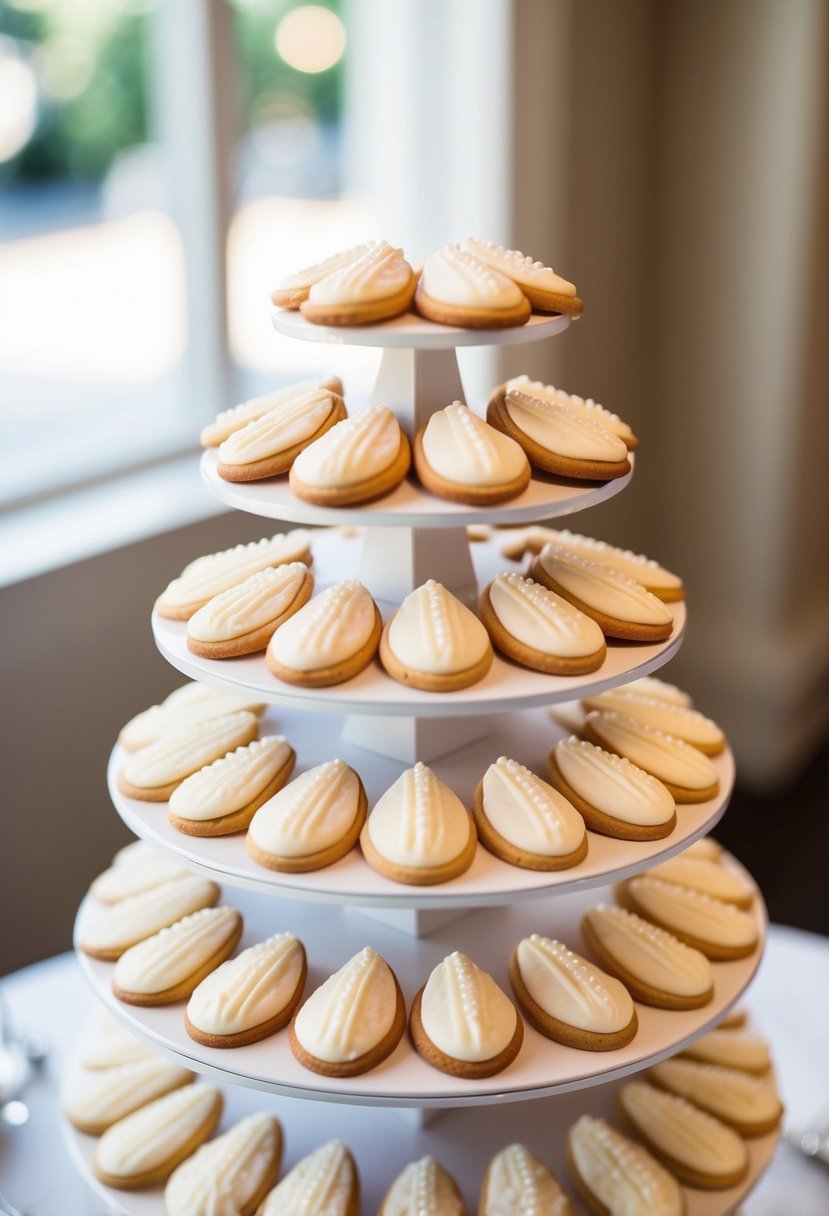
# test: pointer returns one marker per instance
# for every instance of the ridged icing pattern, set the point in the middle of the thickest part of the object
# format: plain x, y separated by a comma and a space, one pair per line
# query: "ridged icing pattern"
248, 990
659, 690
453, 276
666, 757
177, 755
613, 785
354, 450
228, 421
175, 952
541, 619
293, 422
151, 1135
186, 706
131, 878
652, 955
606, 590
518, 266
634, 565
351, 1012
732, 1048
572, 990
329, 629
207, 576
311, 813
563, 431
319, 1185
231, 782
137, 917
464, 1012
682, 1131
692, 912
434, 632
585, 407
419, 821
460, 447
521, 1185
528, 812
224, 1174
377, 272
726, 1093
319, 270
622, 1175
248, 606
423, 1188
678, 720
108, 1094
709, 877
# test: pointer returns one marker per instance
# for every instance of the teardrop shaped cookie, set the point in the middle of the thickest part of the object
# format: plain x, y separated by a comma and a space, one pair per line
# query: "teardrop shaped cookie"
324, 1183
586, 408
100, 1098
131, 920
133, 877
733, 1048
546, 290
536, 628
620, 606
517, 1183
228, 421
376, 285
243, 619
748, 1104
223, 797
687, 774
312, 822
358, 460
524, 821
294, 288
152, 773
269, 445
234, 1172
720, 930
460, 457
456, 288
708, 877
185, 706
434, 642
681, 721
615, 1174
106, 1043
556, 439
614, 796
167, 966
423, 1188
328, 641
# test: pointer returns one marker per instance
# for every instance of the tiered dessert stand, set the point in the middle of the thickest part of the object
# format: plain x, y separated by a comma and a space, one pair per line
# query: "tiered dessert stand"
404, 1108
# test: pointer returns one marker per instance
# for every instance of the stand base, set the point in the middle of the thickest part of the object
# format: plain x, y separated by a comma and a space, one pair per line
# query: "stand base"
411, 739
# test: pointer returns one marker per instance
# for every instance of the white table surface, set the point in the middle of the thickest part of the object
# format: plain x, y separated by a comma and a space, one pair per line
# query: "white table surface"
788, 1001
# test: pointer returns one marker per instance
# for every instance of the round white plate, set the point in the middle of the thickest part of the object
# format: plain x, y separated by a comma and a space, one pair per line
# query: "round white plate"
412, 332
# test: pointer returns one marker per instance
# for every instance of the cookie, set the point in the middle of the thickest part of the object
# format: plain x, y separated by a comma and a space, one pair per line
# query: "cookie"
294, 288
249, 997
585, 408
705, 849
216, 572
140, 916
310, 823
656, 967
614, 1174
707, 877
133, 876
517, 1183
613, 796
269, 445
328, 641
419, 831
106, 1043
662, 583
524, 821
658, 690
234, 419
99, 1099
462, 1023
748, 1104
557, 440
360, 459
223, 797
377, 285
568, 999
456, 288
733, 1048
353, 1021
243, 619
460, 457
537, 629
686, 773
545, 290
185, 706
237, 1168
681, 721
434, 642
423, 1188
167, 966
151, 774
325, 1183
719, 930
143, 1148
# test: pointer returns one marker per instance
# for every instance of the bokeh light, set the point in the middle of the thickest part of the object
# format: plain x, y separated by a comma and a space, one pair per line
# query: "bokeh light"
311, 38
18, 101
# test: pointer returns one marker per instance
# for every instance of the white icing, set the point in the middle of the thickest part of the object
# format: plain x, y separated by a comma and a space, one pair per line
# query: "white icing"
173, 954
659, 690
180, 753
662, 755
572, 990
433, 632
465, 1013
603, 589
562, 431
682, 1131
622, 1175
321, 1184
252, 988
652, 955
139, 916
107, 1043
328, 630
231, 782
678, 720
378, 272
351, 1013
518, 1184
137, 850
541, 619
528, 812
522, 269
706, 876
148, 1137
419, 821
725, 1093
734, 1048
707, 849
207, 576
353, 451
251, 605
585, 408
187, 706
134, 876
320, 270
643, 569
233, 419
107, 1094
310, 814
423, 1188
613, 785
453, 276
690, 912
460, 447
223, 1176
293, 423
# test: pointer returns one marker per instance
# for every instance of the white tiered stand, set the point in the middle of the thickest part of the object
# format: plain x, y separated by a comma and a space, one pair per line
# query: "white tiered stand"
380, 727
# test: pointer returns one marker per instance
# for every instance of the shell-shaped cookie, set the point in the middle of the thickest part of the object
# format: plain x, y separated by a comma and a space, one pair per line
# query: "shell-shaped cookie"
160, 1132
681, 1132
100, 1098
613, 785
322, 1184
229, 1173
708, 922
310, 814
207, 576
460, 447
309, 275
732, 1048
658, 690
261, 600
228, 421
419, 821
434, 633
678, 720
454, 276
380, 270
571, 990
353, 451
351, 1013
586, 408
330, 629
465, 1013
233, 781
561, 430
423, 1188
171, 956
676, 763
106, 1043
175, 756
186, 706
542, 620
529, 813
294, 422
746, 1102
643, 569
621, 1175
602, 589
651, 955
249, 990
708, 877
131, 920
132, 877
705, 849
517, 1183
517, 266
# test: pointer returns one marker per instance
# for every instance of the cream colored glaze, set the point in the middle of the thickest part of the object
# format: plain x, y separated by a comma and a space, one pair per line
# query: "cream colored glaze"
223, 1175
652, 686
353, 451
419, 821
232, 782
584, 407
328, 630
521, 1185
528, 812
460, 447
320, 270
683, 723
144, 1140
634, 565
423, 1188
708, 877
465, 1013
293, 423
613, 785
248, 990
312, 813
605, 590
652, 955
572, 990
107, 1094
697, 915
522, 269
727, 1093
180, 753
541, 619
186, 706
132, 877
433, 632
251, 605
139, 916
106, 1043
563, 431
622, 1175
321, 1184
174, 953
682, 1131
378, 272
662, 755
453, 276
207, 576
351, 1012
732, 1048
233, 419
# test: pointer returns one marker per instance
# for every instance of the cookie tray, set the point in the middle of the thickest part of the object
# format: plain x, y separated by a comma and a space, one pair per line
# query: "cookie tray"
413, 332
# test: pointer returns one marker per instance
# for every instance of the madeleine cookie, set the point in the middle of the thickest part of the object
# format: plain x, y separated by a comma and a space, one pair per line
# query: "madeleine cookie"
294, 288
235, 1171
524, 821
328, 641
656, 968
735, 1048
310, 823
222, 797
269, 445
536, 628
556, 439
358, 460
718, 929
145, 1147
613, 796
516, 1183
99, 1099
614, 1174
662, 583
708, 877
748, 1104
684, 771
419, 831
139, 873
705, 849
376, 285
353, 1021
658, 690
456, 288
234, 419
325, 1183
568, 999
462, 1023
249, 997
243, 619
545, 290
185, 706
152, 773
681, 721
585, 408
423, 1188
167, 967
140, 916
106, 1043
216, 572
460, 457
434, 642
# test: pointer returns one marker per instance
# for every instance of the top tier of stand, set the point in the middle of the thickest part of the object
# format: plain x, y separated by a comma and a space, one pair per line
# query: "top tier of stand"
413, 332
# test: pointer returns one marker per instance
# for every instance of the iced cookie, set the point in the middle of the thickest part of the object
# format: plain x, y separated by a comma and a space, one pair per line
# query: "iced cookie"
140, 916
167, 967
673, 719
243, 619
223, 797
419, 831
358, 460
460, 457
134, 876
558, 440
536, 628
545, 290
615, 1175
232, 1173
662, 583
613, 796
234, 419
325, 1183
705, 849
698, 1149
687, 774
353, 1021
143, 1148
106, 1043
375, 286
310, 823
462, 1023
216, 572
707, 877
524, 821
328, 641
434, 642
423, 1188
656, 968
186, 706
748, 1104
294, 288
658, 690
269, 445
456, 288
99, 1099
517, 1183
732, 1048
568, 999
584, 407
249, 997
718, 929
152, 773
